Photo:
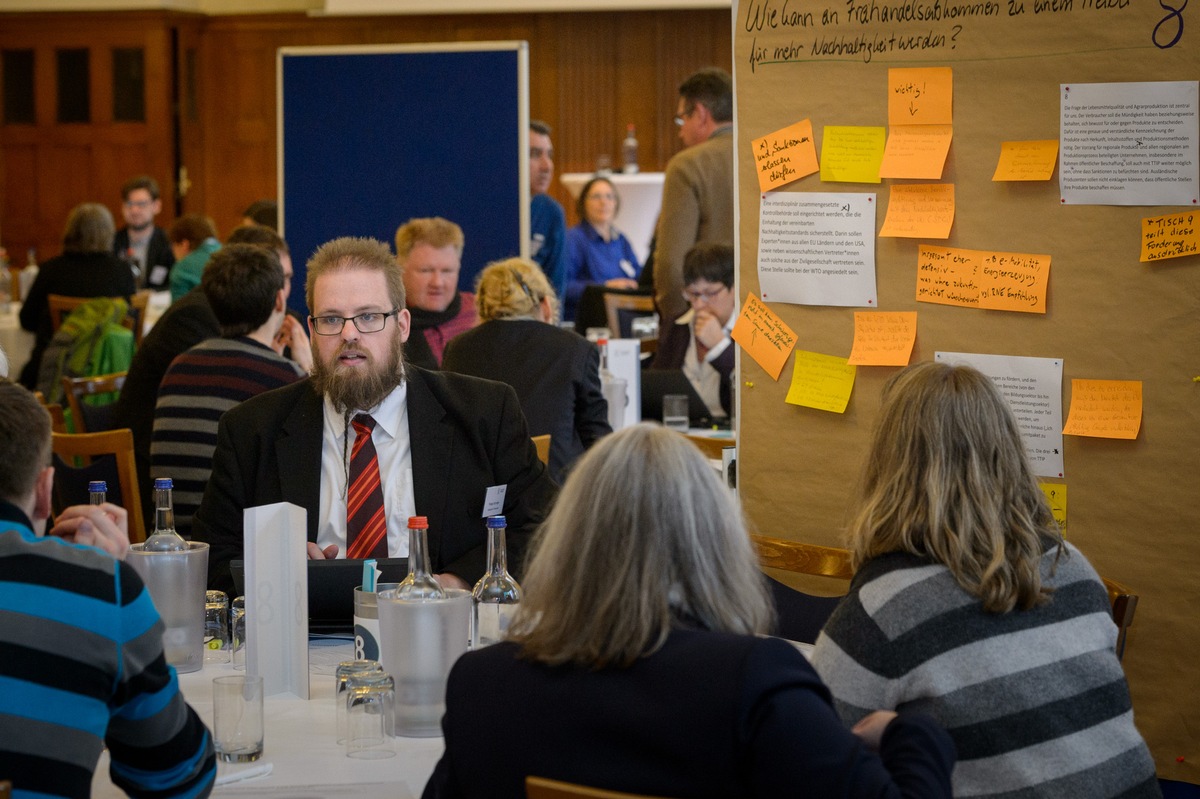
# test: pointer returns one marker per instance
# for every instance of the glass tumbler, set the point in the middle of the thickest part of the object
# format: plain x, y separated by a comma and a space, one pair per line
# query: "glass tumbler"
345, 670
370, 703
216, 627
237, 632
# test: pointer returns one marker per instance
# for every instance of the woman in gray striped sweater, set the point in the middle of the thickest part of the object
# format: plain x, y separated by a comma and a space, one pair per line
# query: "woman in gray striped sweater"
968, 605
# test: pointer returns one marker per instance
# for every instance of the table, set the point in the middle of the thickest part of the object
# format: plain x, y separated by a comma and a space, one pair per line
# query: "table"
299, 744
641, 199
17, 343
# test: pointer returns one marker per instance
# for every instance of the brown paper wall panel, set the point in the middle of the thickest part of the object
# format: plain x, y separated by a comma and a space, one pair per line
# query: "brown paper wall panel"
1132, 505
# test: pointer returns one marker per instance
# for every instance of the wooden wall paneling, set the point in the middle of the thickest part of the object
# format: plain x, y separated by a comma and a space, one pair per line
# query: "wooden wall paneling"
189, 54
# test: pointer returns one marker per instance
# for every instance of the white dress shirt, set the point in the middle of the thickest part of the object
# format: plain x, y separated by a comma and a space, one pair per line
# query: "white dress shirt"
394, 450
704, 376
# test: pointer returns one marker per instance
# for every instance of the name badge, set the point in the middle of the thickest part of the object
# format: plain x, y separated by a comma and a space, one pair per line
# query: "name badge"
493, 501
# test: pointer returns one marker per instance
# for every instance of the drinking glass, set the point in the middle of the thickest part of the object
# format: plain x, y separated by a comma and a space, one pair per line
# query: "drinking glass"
675, 412
370, 701
345, 670
238, 717
216, 627
237, 632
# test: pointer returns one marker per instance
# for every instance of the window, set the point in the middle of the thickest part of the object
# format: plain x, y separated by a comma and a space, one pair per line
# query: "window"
74, 86
18, 88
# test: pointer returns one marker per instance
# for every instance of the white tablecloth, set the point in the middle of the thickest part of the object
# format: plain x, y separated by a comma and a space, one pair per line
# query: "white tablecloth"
299, 744
641, 199
17, 343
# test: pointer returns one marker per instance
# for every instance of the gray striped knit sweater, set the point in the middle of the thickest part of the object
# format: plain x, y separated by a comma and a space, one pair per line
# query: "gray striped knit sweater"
1036, 701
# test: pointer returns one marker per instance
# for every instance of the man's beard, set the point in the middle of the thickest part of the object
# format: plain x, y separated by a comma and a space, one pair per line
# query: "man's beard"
358, 388
141, 227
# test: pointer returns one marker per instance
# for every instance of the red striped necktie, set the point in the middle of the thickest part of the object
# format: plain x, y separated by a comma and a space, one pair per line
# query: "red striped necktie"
366, 521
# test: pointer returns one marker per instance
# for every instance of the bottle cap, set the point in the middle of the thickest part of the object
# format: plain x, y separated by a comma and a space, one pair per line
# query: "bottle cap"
418, 523
162, 482
97, 485
496, 521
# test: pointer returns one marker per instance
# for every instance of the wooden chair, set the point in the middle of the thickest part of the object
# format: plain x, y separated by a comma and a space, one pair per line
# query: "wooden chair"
1124, 603
800, 615
541, 788
617, 306
834, 562
58, 420
62, 305
90, 416
710, 446
543, 448
99, 456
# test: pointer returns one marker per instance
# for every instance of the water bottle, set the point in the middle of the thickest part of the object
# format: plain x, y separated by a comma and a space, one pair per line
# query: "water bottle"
5, 286
97, 490
419, 584
164, 538
497, 594
629, 148
29, 273
613, 388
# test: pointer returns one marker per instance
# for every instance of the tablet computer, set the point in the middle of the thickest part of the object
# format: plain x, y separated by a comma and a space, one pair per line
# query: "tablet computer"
331, 585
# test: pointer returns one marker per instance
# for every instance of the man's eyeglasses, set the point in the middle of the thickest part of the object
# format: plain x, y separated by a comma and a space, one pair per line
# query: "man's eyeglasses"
681, 118
138, 203
369, 322
707, 296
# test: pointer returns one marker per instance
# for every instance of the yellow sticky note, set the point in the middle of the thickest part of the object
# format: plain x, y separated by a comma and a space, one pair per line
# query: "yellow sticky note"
916, 152
883, 338
920, 211
1026, 160
1056, 495
821, 381
1170, 236
920, 96
998, 281
851, 154
785, 155
1105, 409
763, 335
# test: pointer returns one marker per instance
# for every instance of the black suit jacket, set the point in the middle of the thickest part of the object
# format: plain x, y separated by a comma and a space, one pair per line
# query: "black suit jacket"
556, 374
158, 253
466, 434
707, 715
185, 324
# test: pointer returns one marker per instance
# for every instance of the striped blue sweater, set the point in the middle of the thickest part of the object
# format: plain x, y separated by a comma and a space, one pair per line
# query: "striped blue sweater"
199, 386
1036, 700
81, 667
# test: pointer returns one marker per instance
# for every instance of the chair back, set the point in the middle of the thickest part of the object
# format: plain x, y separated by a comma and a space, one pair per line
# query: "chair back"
800, 615
90, 400
542, 443
541, 788
62, 305
1124, 603
80, 458
58, 420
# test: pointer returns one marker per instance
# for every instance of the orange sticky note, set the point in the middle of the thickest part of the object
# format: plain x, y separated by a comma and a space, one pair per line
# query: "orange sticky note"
763, 335
920, 211
821, 381
916, 151
883, 338
1170, 236
1105, 409
998, 281
1026, 160
785, 155
920, 96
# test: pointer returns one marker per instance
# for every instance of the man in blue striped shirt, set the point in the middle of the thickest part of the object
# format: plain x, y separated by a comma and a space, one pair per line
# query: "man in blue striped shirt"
81, 658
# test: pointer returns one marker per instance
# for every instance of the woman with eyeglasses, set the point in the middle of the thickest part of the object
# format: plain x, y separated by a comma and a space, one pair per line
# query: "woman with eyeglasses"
555, 372
596, 251
698, 342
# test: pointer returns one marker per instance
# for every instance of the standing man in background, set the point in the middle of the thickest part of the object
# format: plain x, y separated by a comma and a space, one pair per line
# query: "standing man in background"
141, 243
547, 222
697, 200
